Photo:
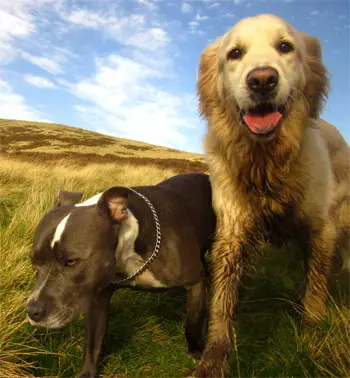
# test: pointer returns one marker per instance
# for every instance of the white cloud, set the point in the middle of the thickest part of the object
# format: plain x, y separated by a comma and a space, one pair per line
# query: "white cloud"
246, 3
39, 81
314, 13
149, 39
18, 22
194, 25
201, 18
13, 26
228, 15
148, 4
50, 65
7, 53
129, 31
214, 5
123, 101
14, 106
85, 18
186, 8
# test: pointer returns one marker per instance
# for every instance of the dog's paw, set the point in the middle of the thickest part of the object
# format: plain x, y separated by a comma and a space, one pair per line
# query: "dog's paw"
86, 374
195, 355
205, 370
305, 325
309, 322
189, 373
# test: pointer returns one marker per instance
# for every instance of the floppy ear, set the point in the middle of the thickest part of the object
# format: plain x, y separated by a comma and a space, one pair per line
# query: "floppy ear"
68, 198
208, 74
114, 202
317, 83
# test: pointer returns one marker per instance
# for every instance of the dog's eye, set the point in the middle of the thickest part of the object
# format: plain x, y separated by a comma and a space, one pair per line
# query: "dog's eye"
285, 47
234, 54
70, 262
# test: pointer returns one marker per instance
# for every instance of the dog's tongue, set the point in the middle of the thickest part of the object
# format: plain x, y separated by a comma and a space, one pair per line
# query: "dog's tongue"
262, 124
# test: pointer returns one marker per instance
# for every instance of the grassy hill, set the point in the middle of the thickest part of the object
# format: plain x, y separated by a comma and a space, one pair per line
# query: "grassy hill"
145, 337
46, 142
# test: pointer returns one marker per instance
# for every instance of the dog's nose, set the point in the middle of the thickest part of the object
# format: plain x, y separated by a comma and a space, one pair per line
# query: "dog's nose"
262, 80
36, 310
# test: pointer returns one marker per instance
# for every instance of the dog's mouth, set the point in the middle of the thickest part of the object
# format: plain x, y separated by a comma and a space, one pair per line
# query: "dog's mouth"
55, 321
264, 119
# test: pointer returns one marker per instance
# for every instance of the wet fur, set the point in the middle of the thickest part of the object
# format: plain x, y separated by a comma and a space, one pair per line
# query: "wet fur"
301, 175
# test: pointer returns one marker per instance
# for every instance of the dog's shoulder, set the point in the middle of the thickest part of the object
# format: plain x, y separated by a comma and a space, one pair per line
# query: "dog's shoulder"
316, 165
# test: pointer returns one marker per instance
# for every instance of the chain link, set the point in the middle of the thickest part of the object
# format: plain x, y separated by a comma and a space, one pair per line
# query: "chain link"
156, 250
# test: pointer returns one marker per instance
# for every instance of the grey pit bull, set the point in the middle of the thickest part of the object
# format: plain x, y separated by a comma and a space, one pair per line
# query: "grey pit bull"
81, 250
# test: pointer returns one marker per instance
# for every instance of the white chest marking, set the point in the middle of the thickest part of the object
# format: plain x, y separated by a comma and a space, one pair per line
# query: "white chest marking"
59, 230
91, 201
127, 260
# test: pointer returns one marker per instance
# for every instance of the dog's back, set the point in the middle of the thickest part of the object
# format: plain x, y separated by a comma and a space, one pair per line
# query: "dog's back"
339, 152
194, 189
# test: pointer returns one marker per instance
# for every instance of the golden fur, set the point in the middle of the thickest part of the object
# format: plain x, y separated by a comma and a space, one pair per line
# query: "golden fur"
296, 184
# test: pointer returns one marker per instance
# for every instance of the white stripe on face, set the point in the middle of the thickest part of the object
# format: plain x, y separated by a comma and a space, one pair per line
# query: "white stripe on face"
91, 201
36, 293
59, 230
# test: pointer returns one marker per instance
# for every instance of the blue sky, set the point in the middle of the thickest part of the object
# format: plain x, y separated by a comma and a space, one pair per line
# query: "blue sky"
128, 67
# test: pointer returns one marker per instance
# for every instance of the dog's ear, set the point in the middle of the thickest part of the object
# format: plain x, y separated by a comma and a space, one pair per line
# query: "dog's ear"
114, 202
317, 83
207, 79
68, 198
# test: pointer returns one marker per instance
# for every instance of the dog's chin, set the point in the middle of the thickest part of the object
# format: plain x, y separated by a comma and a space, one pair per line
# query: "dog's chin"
263, 121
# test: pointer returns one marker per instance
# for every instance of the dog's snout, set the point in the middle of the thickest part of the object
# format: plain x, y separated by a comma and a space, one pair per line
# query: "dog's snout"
262, 80
36, 310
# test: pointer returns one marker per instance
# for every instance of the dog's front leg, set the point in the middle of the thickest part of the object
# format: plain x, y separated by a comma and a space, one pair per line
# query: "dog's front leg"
196, 317
322, 247
96, 317
227, 266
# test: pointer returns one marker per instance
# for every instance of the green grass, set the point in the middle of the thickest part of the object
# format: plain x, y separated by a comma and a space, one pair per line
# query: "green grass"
146, 330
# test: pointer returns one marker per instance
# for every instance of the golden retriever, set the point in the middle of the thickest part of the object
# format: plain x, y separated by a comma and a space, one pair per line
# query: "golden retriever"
276, 170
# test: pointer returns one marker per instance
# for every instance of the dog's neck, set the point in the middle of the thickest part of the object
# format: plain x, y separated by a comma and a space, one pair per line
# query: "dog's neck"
127, 260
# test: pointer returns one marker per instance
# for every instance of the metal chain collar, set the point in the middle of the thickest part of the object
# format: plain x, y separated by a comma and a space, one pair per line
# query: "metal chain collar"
156, 250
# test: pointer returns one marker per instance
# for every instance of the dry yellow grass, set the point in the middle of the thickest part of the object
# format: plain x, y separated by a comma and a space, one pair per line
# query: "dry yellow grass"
335, 342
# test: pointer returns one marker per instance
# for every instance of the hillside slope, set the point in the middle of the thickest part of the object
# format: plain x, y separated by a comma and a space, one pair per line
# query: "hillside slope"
45, 142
